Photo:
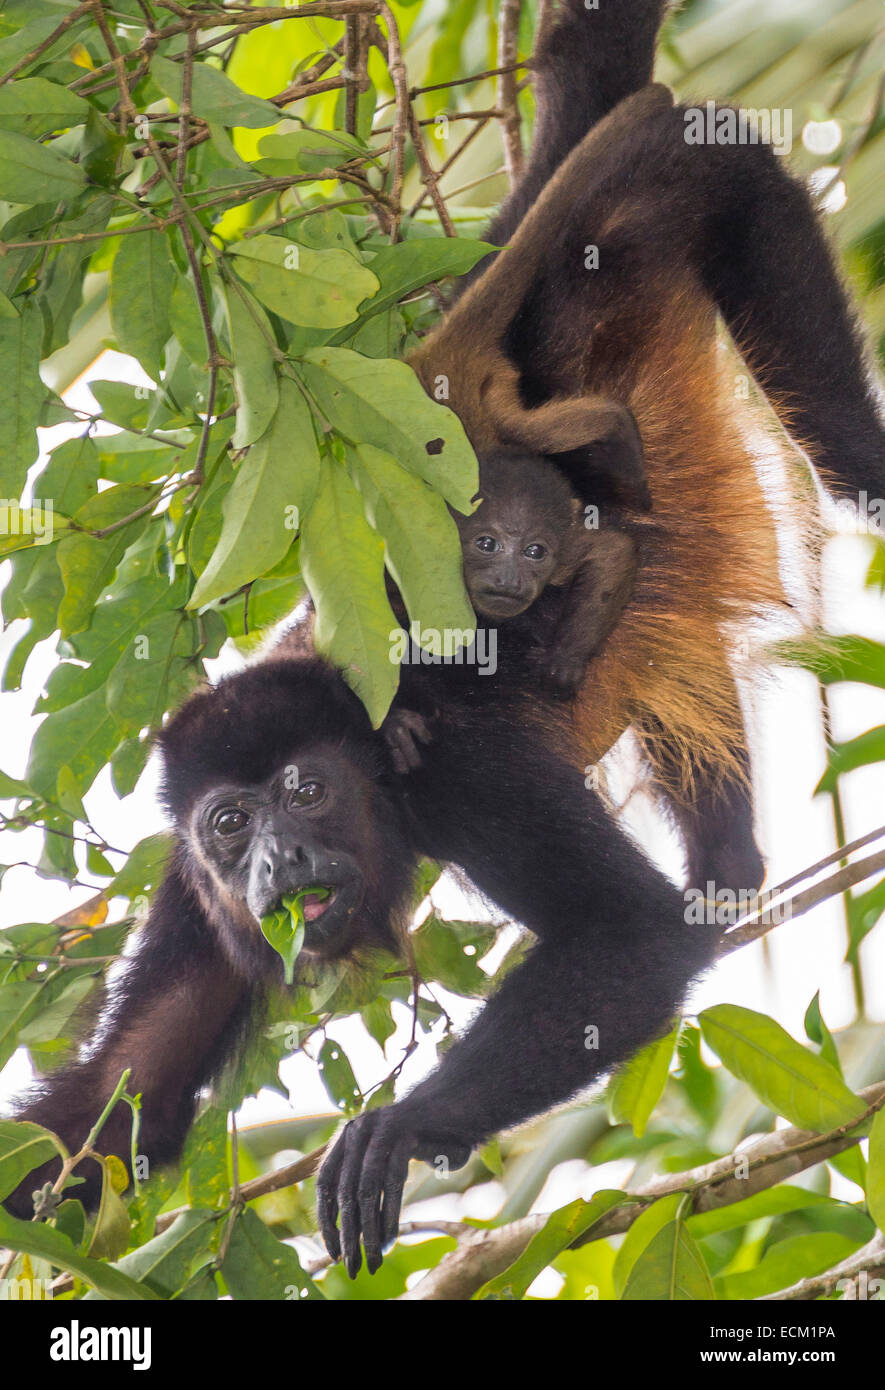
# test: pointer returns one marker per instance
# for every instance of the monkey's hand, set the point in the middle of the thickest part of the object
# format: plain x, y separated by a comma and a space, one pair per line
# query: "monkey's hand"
403, 730
362, 1179
561, 669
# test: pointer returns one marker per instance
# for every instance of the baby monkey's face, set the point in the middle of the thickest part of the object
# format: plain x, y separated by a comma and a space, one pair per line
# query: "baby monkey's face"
511, 551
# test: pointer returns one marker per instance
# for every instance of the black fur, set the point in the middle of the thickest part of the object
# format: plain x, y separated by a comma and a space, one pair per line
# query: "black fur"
200, 969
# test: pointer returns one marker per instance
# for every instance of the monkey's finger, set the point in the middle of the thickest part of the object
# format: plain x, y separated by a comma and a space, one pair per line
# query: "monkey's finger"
405, 755
357, 1135
370, 1188
327, 1199
397, 1172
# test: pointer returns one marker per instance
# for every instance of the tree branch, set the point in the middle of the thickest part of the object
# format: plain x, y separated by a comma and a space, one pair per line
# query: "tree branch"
769, 1160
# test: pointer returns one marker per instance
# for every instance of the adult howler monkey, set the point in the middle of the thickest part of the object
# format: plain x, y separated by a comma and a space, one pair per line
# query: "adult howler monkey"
498, 791
545, 337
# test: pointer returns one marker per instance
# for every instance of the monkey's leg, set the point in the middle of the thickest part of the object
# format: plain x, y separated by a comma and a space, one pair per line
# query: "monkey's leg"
588, 61
613, 960
714, 816
768, 265
172, 1016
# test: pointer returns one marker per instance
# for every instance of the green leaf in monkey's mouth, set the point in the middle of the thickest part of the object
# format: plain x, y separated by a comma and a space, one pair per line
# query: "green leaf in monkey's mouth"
284, 927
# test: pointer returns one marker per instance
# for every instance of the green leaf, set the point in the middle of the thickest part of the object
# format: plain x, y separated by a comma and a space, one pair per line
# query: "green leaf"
155, 672
110, 1234
819, 1033
35, 173
343, 564
792, 1081
857, 752
32, 106
22, 396
774, 1201
23, 1147
799, 1257
834, 659
338, 1078
34, 1238
81, 738
88, 563
876, 1171
163, 1264
405, 267
560, 1229
670, 1269
186, 321
306, 151
381, 402
272, 491
864, 911
144, 868
255, 378
640, 1235
283, 929
421, 542
142, 280
258, 1266
636, 1089
378, 1020
319, 289
213, 95
448, 952
114, 627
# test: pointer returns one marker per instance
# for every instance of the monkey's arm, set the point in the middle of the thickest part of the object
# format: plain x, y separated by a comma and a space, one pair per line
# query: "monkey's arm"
173, 1016
613, 959
593, 602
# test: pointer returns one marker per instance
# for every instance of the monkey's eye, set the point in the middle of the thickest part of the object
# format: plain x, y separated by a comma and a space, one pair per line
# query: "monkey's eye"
487, 544
308, 794
535, 551
230, 820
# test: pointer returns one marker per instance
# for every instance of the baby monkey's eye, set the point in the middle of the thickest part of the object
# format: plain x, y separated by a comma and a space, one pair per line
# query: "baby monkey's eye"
535, 551
308, 794
230, 820
487, 544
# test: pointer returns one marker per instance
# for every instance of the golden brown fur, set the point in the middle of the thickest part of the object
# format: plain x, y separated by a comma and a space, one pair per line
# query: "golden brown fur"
708, 549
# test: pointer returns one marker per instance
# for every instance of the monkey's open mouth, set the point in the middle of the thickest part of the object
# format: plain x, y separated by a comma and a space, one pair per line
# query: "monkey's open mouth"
315, 904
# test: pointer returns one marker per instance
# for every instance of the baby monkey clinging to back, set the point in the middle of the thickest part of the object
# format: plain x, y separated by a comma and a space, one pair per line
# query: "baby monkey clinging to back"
529, 532
531, 561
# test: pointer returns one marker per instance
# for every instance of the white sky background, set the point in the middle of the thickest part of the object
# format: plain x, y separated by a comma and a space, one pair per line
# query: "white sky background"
794, 829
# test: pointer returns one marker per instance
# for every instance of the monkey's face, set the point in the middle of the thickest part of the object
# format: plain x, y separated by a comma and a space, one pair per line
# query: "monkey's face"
510, 554
304, 827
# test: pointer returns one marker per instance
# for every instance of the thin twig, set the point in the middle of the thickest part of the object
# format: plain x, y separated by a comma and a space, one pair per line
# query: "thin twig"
508, 37
46, 43
399, 77
184, 112
456, 154
428, 177
761, 922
